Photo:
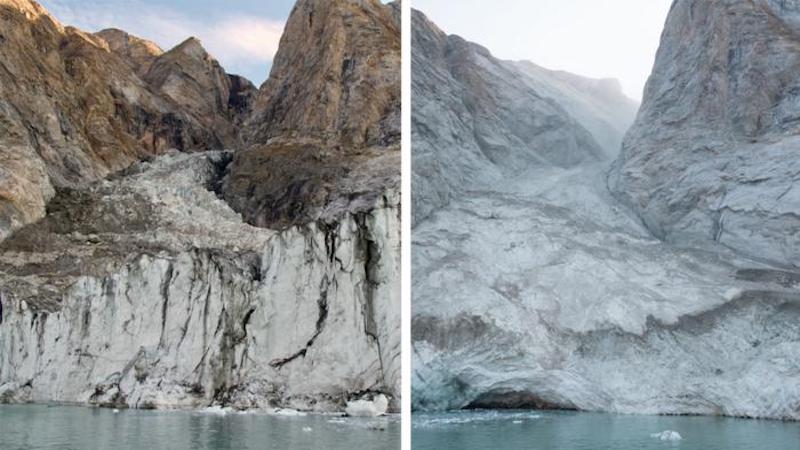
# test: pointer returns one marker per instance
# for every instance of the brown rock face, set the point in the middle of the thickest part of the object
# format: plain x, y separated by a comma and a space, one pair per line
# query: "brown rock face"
194, 80
294, 182
240, 98
321, 134
73, 109
325, 129
137, 52
336, 76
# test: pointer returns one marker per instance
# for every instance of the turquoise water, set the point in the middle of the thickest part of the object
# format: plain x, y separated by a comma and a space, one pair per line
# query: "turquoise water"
480, 430
67, 428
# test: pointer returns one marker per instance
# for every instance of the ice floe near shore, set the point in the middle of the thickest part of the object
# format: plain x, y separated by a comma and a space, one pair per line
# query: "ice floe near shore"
368, 408
667, 435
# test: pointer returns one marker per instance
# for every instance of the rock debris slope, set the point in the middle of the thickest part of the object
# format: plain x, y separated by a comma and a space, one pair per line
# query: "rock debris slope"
155, 281
541, 289
720, 114
478, 119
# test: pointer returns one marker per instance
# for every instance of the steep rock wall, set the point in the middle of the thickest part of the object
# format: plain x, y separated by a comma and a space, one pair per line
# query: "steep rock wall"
713, 153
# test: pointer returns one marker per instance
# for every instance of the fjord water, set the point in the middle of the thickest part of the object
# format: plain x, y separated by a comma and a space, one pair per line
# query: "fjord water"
78, 428
545, 430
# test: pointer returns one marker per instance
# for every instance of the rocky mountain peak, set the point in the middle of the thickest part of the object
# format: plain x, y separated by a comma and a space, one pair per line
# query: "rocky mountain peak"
325, 86
328, 117
74, 109
192, 47
139, 53
31, 9
192, 78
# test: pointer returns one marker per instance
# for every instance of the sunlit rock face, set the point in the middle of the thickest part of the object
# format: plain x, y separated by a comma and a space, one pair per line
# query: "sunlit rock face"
182, 271
343, 57
544, 290
74, 109
137, 52
328, 116
714, 152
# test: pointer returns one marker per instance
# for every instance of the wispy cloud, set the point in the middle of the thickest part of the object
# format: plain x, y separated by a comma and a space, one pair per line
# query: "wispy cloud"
245, 38
242, 44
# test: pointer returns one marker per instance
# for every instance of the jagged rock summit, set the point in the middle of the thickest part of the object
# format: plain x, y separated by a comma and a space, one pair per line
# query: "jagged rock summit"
342, 56
193, 79
158, 256
713, 155
138, 53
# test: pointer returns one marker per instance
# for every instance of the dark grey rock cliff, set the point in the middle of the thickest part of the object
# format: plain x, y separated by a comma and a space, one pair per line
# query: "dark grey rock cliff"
713, 155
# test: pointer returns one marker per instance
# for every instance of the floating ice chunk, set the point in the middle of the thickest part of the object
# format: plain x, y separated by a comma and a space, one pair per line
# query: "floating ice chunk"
307, 429
517, 422
368, 408
116, 411
216, 409
667, 435
288, 412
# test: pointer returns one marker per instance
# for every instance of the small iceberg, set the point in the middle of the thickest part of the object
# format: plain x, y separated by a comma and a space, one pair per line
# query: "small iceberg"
368, 408
667, 435
216, 410
288, 412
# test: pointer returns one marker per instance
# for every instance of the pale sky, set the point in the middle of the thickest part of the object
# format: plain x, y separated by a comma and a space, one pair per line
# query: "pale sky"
242, 34
594, 38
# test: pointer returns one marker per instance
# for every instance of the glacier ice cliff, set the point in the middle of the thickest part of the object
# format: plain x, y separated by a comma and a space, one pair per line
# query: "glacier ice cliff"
155, 293
540, 288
